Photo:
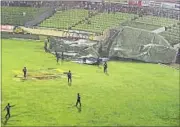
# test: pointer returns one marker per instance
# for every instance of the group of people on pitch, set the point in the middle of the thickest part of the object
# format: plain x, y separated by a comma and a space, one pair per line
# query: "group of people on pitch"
69, 75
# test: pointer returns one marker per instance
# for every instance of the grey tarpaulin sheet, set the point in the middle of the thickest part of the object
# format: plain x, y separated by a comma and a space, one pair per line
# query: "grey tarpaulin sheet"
141, 45
127, 43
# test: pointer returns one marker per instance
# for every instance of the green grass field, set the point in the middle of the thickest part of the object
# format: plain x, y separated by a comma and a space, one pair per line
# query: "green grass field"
132, 94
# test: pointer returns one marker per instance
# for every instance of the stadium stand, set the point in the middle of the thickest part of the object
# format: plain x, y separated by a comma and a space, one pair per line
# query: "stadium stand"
172, 34
152, 22
156, 21
104, 21
65, 19
19, 15
79, 19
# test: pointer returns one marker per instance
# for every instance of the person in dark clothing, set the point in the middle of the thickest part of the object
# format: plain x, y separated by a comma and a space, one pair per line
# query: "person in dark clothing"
108, 11
105, 67
166, 28
84, 60
178, 57
69, 76
57, 56
78, 100
62, 56
25, 72
45, 46
7, 108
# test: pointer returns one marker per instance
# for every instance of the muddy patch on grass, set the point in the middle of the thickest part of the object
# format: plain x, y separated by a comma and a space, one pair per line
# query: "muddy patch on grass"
42, 74
47, 77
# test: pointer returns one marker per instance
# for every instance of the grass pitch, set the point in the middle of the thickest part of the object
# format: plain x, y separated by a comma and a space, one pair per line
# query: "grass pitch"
132, 93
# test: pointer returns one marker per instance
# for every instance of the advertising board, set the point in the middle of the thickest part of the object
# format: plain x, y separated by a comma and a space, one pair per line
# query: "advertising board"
7, 28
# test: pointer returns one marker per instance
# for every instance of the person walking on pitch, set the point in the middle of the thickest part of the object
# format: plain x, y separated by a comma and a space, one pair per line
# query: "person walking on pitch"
57, 56
7, 108
69, 76
78, 100
105, 67
25, 72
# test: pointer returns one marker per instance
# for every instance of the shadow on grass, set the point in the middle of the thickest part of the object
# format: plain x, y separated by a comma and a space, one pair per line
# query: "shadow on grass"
107, 74
70, 84
62, 61
7, 119
79, 109
23, 79
5, 122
